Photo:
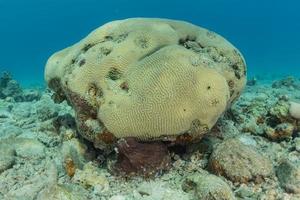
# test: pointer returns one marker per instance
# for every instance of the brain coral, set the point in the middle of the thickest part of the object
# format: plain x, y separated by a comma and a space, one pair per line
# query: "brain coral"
147, 78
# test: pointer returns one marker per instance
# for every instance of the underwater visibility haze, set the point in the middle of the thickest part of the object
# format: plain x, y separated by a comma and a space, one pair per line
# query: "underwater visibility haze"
266, 32
149, 100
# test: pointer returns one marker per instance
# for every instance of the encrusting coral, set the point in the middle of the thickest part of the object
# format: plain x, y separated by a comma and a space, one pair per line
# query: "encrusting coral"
149, 79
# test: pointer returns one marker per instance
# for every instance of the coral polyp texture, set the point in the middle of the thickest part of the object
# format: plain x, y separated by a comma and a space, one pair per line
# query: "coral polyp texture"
151, 79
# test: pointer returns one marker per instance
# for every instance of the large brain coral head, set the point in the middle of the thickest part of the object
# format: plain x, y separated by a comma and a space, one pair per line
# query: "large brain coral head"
151, 79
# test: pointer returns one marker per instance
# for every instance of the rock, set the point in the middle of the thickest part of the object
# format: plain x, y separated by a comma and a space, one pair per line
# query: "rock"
156, 190
91, 177
245, 193
31, 95
29, 148
280, 110
247, 140
5, 112
12, 89
59, 192
66, 120
239, 162
250, 125
7, 156
9, 131
289, 82
22, 111
280, 132
228, 129
118, 197
294, 110
30, 186
4, 79
207, 187
44, 109
26, 192
288, 174
49, 139
297, 144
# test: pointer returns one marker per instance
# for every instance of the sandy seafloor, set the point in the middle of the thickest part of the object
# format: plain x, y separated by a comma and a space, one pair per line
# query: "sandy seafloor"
42, 157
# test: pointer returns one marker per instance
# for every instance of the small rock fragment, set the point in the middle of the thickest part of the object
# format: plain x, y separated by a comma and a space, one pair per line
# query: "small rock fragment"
7, 156
5, 114
29, 148
280, 110
288, 82
60, 192
118, 197
157, 190
288, 174
239, 162
245, 193
91, 177
281, 131
295, 110
207, 187
297, 144
31, 95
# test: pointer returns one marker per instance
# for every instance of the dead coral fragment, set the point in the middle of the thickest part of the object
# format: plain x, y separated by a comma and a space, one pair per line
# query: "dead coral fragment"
207, 187
239, 163
281, 131
142, 158
70, 167
295, 110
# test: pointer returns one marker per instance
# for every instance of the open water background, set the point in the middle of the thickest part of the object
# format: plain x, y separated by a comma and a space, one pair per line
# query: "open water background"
267, 32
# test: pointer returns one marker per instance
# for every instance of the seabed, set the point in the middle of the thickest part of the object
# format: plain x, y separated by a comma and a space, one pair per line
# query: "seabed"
253, 152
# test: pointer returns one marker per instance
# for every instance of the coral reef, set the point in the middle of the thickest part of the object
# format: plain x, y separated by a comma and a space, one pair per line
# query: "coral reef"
252, 81
289, 82
10, 88
270, 117
42, 156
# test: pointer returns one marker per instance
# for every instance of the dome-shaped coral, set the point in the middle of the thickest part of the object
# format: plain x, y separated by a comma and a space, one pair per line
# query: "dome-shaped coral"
152, 79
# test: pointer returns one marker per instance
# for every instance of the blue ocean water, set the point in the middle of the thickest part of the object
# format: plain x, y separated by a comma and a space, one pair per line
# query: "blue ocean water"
266, 31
